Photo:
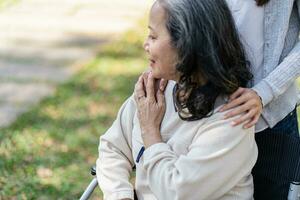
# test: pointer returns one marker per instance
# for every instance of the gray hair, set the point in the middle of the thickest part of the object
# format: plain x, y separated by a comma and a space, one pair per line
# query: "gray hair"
209, 48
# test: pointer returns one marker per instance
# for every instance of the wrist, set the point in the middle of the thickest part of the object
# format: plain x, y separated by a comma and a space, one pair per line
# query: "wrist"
264, 90
148, 143
151, 137
261, 101
150, 131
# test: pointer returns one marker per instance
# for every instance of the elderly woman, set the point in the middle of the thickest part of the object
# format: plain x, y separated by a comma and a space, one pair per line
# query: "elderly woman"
181, 147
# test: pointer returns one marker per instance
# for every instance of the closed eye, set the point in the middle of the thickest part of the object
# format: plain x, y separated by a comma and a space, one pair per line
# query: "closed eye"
151, 37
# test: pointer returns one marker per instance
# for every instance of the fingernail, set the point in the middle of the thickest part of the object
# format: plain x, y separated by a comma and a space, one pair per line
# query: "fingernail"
161, 85
246, 126
233, 123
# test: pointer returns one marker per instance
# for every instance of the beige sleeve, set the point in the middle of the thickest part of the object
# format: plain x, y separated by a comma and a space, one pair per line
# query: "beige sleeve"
115, 161
219, 157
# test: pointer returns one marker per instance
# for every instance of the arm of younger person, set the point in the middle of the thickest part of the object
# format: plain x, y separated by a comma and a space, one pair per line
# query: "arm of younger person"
278, 81
268, 89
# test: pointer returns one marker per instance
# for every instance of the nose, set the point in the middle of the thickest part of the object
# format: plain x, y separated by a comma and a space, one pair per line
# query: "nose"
146, 46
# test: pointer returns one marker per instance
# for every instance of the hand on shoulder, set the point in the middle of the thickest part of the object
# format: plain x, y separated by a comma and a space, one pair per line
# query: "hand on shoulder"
247, 101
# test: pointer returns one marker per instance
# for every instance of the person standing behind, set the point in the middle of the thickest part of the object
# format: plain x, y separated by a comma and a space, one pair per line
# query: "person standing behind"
269, 30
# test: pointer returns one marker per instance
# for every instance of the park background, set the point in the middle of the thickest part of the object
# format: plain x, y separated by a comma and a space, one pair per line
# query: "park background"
65, 68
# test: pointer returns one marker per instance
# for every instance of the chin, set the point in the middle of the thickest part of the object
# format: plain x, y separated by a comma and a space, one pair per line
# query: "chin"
158, 75
162, 77
155, 74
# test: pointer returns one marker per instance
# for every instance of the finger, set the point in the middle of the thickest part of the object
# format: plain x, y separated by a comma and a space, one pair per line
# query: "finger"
139, 90
252, 123
138, 84
162, 84
160, 98
236, 111
150, 88
145, 76
237, 93
221, 108
145, 79
247, 117
233, 103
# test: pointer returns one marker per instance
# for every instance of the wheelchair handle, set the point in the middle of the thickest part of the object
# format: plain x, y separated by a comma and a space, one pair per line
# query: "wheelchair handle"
90, 189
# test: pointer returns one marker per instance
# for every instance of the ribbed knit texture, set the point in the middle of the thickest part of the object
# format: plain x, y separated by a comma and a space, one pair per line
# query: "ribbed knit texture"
281, 60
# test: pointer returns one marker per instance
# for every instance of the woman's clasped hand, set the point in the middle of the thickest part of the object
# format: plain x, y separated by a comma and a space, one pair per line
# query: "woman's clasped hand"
151, 106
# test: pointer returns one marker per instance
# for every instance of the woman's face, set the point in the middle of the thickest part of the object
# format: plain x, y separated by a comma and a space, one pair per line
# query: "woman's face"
162, 55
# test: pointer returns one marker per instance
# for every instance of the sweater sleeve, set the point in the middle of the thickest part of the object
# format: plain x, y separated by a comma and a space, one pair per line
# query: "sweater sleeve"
280, 79
219, 157
115, 161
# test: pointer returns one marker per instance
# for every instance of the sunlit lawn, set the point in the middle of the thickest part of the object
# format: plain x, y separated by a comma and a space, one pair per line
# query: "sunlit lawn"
47, 153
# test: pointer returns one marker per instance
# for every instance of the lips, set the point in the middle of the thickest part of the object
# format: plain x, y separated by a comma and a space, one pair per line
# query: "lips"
152, 62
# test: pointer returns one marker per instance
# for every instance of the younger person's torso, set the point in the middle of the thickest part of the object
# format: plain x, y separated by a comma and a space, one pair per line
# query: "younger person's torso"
249, 20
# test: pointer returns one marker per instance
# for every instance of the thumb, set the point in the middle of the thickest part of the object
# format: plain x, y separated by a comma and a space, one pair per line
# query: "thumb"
160, 96
162, 84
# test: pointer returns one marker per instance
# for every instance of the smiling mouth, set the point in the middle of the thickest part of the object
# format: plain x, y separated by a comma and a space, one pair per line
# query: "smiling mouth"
152, 62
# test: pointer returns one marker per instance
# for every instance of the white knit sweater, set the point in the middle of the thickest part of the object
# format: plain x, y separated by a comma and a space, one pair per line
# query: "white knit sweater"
204, 159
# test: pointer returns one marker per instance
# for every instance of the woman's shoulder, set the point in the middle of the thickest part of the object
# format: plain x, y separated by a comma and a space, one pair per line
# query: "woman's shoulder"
217, 119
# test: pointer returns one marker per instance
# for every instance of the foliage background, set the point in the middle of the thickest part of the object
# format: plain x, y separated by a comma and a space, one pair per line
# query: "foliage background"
48, 151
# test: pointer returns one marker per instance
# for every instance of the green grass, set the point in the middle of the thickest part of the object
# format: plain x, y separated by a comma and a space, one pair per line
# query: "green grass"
47, 152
